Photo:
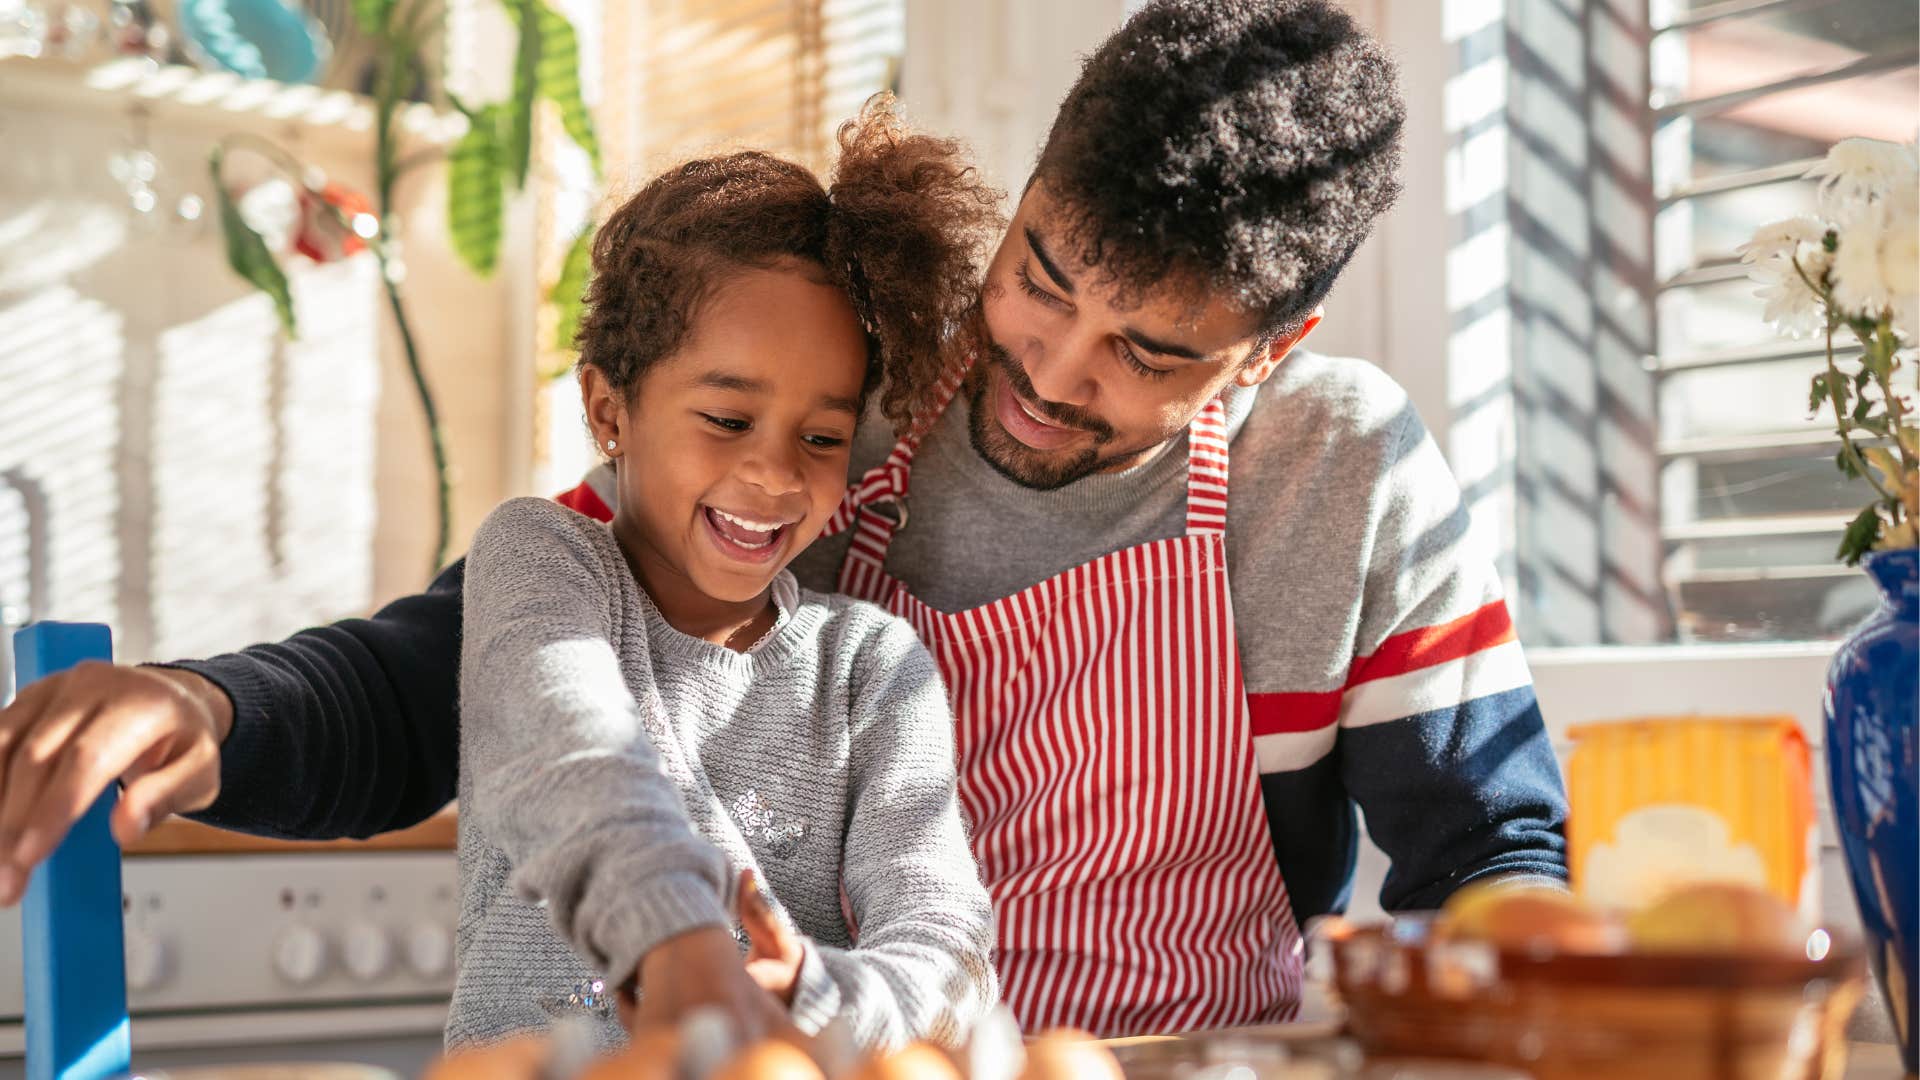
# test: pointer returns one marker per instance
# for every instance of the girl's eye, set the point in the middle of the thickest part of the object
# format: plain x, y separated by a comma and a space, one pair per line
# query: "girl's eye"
726, 423
1027, 286
824, 442
1139, 366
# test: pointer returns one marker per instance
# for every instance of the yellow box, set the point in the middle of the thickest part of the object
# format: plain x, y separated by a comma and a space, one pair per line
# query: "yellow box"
1663, 801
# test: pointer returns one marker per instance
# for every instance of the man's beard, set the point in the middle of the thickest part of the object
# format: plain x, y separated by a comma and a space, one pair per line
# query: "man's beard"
1015, 460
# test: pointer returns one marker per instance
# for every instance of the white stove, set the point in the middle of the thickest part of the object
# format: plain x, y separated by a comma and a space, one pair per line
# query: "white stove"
258, 957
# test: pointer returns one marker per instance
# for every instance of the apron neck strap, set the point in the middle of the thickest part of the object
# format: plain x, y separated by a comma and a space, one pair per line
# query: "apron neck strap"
1207, 471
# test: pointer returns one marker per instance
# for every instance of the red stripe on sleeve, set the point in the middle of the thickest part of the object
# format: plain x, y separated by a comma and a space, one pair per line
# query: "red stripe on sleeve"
583, 500
1281, 714
1429, 645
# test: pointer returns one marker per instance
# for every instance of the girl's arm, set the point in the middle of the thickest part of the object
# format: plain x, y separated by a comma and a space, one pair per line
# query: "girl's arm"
565, 777
923, 968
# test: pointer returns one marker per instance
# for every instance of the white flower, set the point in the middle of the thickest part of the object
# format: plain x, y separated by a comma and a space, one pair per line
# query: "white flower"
1781, 238
1858, 287
1875, 268
1793, 306
1858, 169
1900, 266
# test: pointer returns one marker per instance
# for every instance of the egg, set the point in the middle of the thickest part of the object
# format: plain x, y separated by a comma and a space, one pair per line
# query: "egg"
916, 1061
771, 1059
652, 1054
1069, 1055
518, 1058
1526, 917
1717, 917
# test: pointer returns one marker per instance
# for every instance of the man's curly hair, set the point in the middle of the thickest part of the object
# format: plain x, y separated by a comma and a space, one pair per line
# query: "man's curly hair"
1243, 148
902, 229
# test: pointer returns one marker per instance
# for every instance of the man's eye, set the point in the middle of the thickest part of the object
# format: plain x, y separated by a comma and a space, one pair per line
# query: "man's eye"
1025, 280
1140, 366
727, 423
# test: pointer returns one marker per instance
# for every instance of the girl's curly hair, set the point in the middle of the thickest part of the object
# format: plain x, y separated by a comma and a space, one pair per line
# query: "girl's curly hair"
902, 229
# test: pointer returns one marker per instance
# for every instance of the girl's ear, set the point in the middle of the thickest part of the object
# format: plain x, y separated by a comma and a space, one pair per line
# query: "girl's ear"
606, 410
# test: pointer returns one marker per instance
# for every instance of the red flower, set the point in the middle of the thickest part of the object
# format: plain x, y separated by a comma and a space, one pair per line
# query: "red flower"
335, 222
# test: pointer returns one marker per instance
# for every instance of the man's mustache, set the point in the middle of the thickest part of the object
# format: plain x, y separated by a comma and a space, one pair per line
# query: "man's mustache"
1054, 413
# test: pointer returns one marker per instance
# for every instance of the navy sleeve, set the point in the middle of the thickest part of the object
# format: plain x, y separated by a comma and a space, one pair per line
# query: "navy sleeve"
345, 730
1459, 793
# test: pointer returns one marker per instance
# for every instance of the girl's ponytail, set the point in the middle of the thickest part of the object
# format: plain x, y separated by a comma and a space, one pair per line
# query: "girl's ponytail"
909, 225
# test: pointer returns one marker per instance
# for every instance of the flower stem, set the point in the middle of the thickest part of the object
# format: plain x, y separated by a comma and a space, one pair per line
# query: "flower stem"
391, 80
1840, 418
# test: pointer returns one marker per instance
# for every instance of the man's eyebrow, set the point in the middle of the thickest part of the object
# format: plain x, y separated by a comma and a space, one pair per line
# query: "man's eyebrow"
1163, 348
1047, 263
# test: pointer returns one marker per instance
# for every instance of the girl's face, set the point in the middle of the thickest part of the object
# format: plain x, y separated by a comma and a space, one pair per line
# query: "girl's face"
732, 452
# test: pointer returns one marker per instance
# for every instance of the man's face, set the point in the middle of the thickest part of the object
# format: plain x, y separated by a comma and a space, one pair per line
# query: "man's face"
1070, 384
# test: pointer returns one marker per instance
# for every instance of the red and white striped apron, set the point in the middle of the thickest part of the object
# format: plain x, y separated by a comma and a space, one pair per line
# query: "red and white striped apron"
1107, 769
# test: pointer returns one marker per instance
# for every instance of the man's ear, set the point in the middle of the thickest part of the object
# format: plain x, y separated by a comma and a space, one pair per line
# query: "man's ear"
606, 410
1258, 370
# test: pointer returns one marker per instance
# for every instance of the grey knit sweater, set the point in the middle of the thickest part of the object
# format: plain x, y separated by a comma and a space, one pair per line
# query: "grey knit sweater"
615, 774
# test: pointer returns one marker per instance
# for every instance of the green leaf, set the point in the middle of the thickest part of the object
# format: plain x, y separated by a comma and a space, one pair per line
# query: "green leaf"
1817, 394
557, 79
1844, 462
570, 292
1862, 406
474, 198
1861, 532
372, 16
247, 252
1840, 392
526, 63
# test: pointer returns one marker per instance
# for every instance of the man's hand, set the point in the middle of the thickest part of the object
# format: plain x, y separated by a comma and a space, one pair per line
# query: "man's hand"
697, 969
774, 951
66, 737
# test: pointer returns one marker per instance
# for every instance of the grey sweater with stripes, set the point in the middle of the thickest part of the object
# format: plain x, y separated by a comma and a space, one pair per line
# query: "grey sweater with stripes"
615, 774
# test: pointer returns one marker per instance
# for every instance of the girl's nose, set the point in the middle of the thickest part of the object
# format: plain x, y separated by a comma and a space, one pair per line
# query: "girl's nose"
774, 470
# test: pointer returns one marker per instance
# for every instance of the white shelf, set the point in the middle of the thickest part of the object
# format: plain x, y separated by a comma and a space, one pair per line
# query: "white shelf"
223, 102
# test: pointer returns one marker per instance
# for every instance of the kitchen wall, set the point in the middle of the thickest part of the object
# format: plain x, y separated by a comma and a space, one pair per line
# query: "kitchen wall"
171, 464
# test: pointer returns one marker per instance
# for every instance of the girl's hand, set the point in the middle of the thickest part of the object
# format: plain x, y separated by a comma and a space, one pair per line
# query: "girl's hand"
700, 969
68, 736
774, 951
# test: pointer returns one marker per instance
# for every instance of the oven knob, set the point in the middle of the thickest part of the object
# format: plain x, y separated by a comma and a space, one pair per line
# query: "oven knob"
366, 950
300, 954
429, 949
146, 960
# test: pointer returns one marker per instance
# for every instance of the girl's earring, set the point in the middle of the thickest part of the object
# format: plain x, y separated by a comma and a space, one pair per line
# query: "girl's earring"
610, 446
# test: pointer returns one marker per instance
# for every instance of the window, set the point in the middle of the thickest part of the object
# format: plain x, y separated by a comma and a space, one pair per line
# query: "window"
1746, 95
1631, 437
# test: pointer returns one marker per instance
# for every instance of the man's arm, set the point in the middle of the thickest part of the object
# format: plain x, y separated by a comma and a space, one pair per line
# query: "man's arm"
1440, 738
343, 730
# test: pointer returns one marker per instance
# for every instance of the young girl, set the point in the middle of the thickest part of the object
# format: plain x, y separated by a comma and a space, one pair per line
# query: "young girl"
651, 708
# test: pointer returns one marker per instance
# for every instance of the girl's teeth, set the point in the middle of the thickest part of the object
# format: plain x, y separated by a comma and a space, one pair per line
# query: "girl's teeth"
753, 526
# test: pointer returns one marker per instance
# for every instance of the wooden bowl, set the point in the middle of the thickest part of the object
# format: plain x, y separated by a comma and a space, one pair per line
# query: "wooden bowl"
1667, 1015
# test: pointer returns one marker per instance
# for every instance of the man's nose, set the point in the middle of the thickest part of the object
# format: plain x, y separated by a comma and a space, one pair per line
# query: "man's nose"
1062, 370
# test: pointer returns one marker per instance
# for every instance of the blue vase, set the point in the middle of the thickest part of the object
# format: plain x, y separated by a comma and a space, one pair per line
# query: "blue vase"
1873, 694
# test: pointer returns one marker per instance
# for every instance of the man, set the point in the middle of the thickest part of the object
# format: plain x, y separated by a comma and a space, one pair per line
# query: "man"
1196, 592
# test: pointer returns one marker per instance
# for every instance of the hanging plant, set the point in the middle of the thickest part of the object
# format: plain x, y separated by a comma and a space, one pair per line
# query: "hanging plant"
491, 158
